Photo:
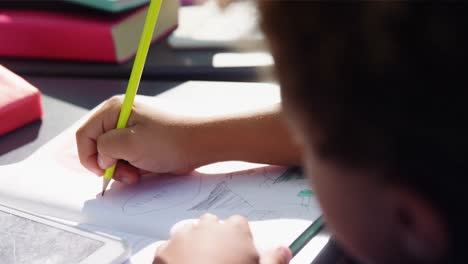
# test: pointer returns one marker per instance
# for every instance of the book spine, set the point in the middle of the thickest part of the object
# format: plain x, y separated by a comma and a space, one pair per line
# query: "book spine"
156, 38
112, 6
48, 35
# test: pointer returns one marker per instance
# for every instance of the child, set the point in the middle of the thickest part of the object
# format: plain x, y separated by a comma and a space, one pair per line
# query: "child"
374, 96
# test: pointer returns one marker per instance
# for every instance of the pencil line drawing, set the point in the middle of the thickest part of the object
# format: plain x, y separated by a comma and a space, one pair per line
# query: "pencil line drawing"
291, 174
268, 179
306, 198
222, 197
164, 194
270, 173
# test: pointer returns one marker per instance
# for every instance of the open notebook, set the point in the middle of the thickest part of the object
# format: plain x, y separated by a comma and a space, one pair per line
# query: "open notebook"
277, 200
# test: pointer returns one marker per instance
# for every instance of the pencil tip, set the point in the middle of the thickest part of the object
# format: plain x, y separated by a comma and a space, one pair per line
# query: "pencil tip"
105, 183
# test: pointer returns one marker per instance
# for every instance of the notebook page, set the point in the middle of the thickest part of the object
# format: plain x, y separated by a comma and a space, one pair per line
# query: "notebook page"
52, 182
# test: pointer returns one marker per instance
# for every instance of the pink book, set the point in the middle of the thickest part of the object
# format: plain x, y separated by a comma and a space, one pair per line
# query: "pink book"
20, 102
46, 34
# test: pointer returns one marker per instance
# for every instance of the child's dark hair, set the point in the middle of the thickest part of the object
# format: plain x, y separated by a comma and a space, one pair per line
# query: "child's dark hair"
385, 84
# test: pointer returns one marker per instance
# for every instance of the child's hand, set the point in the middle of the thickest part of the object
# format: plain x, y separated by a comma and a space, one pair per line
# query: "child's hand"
159, 142
214, 241
153, 141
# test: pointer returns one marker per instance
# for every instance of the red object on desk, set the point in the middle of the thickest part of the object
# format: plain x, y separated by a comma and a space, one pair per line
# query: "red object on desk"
98, 37
20, 102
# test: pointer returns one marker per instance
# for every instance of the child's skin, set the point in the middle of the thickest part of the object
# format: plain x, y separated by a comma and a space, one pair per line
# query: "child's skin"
376, 220
160, 142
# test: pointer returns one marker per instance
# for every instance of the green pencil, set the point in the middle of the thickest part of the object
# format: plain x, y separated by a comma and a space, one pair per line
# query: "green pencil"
135, 76
306, 236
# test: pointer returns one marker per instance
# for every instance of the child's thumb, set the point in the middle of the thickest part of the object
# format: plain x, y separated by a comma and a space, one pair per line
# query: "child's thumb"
114, 145
281, 255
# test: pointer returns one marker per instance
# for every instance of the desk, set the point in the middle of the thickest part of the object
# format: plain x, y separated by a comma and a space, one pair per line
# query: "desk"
65, 101
163, 63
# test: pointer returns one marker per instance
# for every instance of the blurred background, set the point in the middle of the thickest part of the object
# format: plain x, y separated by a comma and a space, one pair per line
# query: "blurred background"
194, 39
78, 53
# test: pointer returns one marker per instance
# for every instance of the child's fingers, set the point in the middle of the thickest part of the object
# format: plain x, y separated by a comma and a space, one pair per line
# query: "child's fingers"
177, 226
104, 161
87, 154
126, 173
182, 228
281, 255
86, 144
118, 144
241, 223
208, 219
102, 120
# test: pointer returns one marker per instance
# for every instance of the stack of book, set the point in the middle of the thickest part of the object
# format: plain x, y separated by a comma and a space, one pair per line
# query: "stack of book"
80, 30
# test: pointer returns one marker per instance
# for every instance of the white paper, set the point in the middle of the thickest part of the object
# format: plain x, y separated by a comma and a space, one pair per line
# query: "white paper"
53, 183
154, 205
145, 213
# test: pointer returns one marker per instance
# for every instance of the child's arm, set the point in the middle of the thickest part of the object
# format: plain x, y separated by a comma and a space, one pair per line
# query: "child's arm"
214, 241
259, 136
162, 142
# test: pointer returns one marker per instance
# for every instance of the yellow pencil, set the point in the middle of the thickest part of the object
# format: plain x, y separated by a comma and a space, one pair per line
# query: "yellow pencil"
135, 76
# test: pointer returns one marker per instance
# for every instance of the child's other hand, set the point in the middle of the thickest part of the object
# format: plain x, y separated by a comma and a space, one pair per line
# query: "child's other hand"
153, 141
214, 241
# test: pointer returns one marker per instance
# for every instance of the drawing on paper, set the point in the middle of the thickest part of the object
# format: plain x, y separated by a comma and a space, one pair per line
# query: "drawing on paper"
306, 197
222, 197
291, 174
267, 193
161, 194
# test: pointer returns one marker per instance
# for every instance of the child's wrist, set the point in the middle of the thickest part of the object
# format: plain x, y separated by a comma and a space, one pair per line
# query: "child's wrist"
210, 141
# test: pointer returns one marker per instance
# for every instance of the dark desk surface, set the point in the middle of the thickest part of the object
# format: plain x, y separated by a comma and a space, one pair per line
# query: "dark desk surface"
163, 63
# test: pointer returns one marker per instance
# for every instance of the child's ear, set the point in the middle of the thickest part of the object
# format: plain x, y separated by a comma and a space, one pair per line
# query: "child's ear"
419, 226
